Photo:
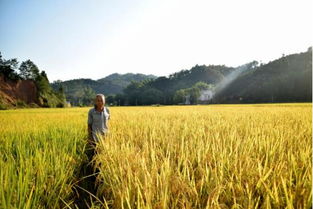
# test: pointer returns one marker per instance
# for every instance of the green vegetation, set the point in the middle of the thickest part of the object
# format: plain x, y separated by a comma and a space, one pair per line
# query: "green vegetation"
193, 93
40, 154
216, 156
80, 92
28, 71
8, 67
288, 79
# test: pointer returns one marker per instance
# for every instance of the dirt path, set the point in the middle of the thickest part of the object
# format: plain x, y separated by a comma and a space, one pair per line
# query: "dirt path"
86, 186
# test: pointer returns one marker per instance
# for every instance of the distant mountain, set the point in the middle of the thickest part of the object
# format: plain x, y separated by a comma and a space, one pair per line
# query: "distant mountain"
163, 89
115, 83
287, 79
126, 77
210, 74
81, 90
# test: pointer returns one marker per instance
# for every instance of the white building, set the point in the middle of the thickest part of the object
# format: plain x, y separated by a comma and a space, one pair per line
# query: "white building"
187, 100
205, 96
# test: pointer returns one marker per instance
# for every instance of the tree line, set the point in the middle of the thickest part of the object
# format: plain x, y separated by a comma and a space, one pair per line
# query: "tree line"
11, 70
287, 79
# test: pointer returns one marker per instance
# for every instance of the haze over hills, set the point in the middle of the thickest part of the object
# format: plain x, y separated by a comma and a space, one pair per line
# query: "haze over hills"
288, 79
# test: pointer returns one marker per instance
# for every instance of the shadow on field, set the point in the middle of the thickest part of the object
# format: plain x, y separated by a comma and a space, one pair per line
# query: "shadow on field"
86, 187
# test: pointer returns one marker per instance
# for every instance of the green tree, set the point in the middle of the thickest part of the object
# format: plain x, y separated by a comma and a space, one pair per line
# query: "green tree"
7, 68
42, 84
180, 96
28, 70
203, 86
194, 94
151, 96
88, 96
132, 93
120, 99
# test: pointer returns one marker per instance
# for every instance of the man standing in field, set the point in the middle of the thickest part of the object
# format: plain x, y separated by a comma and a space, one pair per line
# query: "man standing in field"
98, 119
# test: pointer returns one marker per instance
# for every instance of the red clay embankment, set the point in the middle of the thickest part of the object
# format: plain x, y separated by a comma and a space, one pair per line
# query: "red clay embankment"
21, 90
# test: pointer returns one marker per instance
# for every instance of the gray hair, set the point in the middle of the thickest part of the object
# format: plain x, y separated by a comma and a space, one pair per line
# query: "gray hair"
101, 95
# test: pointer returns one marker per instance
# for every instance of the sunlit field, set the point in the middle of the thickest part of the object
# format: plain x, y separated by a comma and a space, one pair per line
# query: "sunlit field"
212, 156
40, 151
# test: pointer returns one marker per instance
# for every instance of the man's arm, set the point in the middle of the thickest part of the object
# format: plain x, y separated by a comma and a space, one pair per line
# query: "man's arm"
89, 122
106, 123
108, 117
89, 131
108, 111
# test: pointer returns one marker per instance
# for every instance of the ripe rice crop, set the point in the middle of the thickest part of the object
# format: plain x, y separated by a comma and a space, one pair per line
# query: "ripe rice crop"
40, 151
210, 156
215, 156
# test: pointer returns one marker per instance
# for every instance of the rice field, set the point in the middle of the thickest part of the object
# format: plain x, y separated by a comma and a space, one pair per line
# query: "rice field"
212, 156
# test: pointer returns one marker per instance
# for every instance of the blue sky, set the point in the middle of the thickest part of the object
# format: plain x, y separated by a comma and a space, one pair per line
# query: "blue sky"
93, 38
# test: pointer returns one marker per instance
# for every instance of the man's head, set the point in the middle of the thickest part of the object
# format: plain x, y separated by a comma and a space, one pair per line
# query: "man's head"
100, 100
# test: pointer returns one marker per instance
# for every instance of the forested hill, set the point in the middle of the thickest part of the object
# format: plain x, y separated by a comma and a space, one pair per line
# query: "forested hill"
82, 91
163, 89
288, 79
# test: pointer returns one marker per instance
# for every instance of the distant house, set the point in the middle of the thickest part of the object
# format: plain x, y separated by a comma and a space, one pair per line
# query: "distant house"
187, 100
68, 104
205, 97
